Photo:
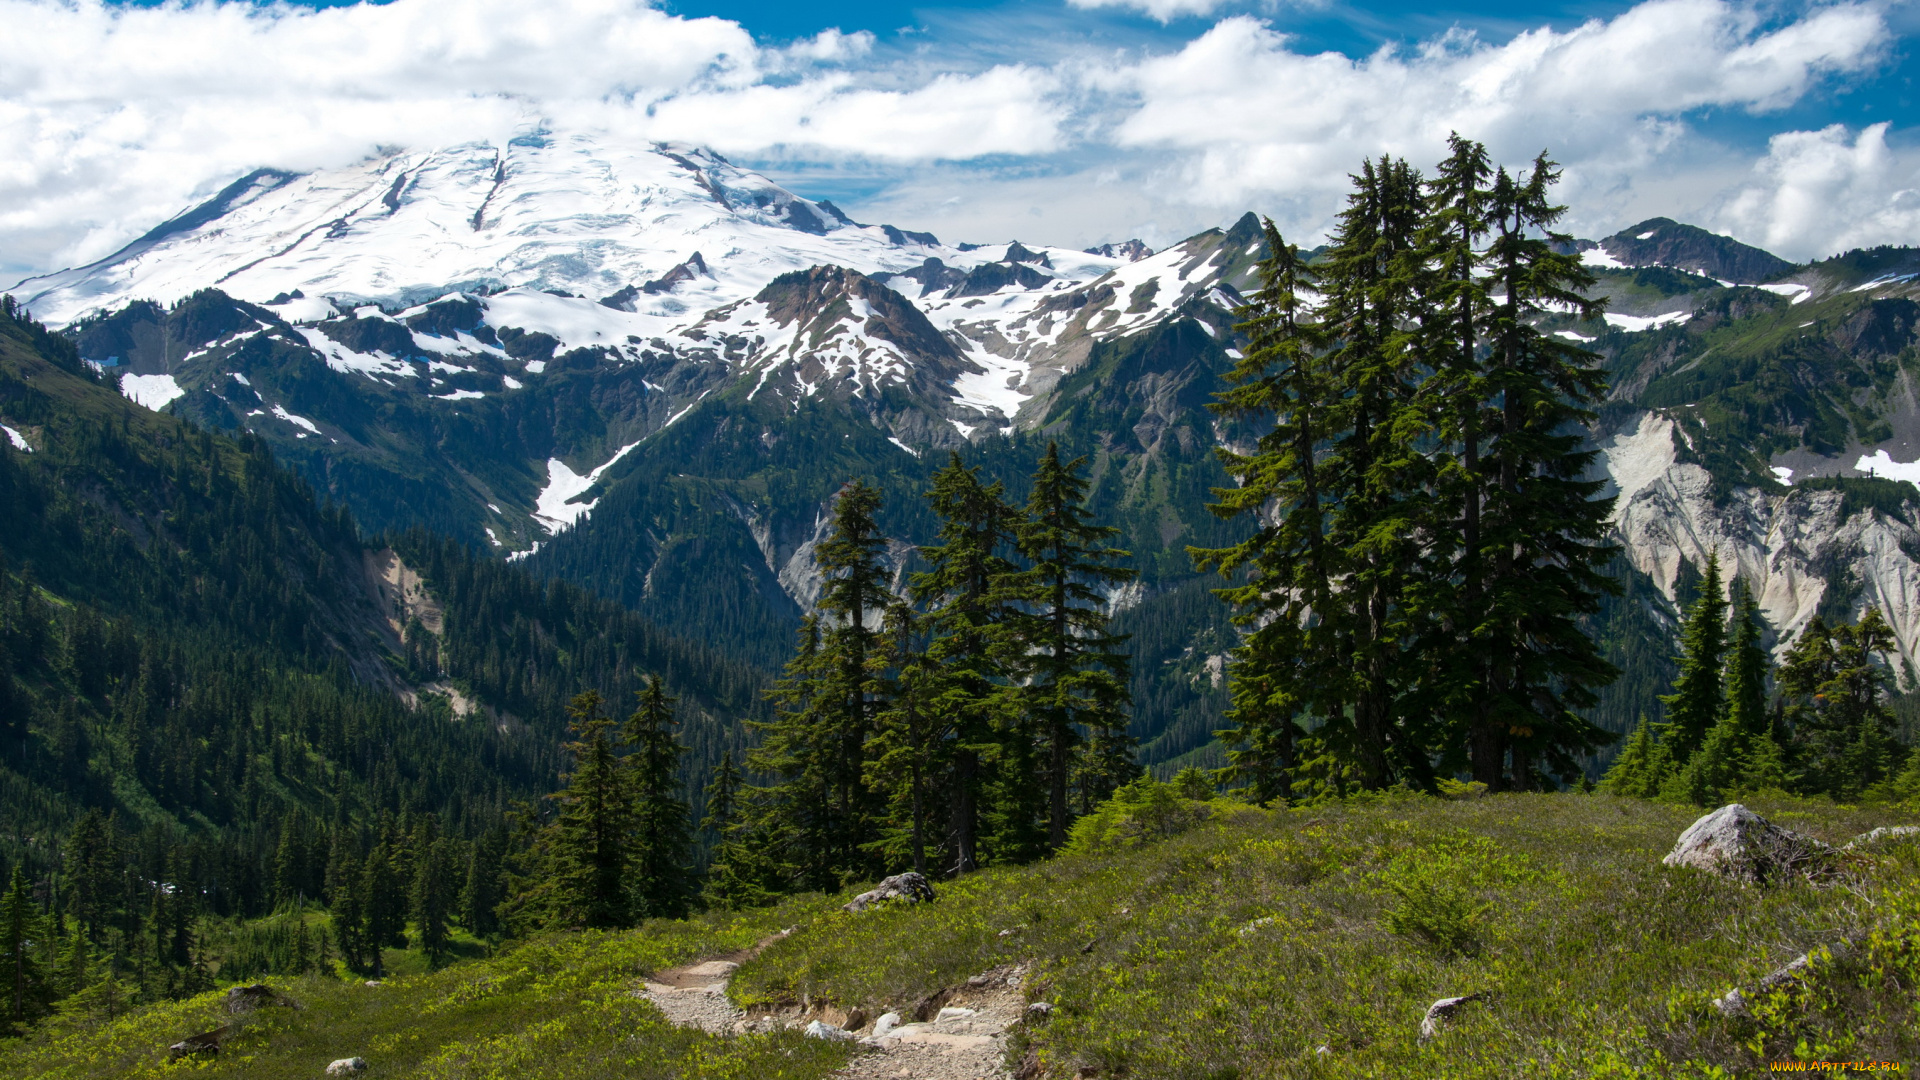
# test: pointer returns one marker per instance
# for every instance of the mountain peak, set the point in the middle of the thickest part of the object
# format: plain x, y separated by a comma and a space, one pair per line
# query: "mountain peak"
1665, 242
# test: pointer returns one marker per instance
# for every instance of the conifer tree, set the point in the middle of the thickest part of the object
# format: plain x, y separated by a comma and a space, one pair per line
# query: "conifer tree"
346, 907
911, 750
1289, 656
1543, 526
384, 908
965, 590
1748, 666
1735, 752
825, 815
20, 937
1076, 670
661, 874
1698, 698
432, 897
88, 859
1836, 688
740, 871
589, 844
1372, 471
484, 888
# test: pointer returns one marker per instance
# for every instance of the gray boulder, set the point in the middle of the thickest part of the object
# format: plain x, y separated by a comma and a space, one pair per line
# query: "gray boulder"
1735, 842
909, 888
347, 1066
820, 1029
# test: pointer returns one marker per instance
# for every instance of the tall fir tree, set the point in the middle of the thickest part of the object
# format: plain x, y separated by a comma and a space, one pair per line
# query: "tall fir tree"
971, 648
909, 751
1543, 525
824, 813
589, 844
22, 938
432, 898
1698, 697
1076, 671
661, 856
1289, 651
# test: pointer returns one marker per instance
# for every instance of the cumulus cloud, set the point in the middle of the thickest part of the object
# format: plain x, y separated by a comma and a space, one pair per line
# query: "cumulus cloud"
113, 118
1164, 10
1820, 192
1254, 120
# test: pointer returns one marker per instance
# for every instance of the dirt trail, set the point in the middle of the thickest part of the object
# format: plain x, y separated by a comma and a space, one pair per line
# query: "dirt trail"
960, 1034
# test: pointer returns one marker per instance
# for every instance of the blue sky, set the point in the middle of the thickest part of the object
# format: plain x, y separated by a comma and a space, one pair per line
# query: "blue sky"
1787, 123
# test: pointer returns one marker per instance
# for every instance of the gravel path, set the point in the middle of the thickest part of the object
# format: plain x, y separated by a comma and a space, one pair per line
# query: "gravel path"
965, 1039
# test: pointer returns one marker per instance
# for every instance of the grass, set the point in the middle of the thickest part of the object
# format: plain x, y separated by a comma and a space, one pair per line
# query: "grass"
554, 1008
1242, 947
1237, 949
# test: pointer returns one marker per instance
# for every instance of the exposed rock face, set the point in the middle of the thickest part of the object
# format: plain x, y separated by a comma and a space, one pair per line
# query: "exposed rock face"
1735, 842
909, 887
1788, 548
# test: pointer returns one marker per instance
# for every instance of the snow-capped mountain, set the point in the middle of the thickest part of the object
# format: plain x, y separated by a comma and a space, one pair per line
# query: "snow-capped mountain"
648, 369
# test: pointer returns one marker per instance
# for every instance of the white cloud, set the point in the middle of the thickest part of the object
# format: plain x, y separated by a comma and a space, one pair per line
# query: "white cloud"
1250, 120
117, 117
1164, 10
1821, 192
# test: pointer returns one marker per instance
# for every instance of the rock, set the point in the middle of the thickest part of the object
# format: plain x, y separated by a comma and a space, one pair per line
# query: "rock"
1884, 832
248, 998
1734, 1002
820, 1029
205, 1044
1735, 842
1441, 1011
886, 1023
909, 887
344, 1066
856, 1019
954, 1012
1731, 1003
373, 984
1040, 1009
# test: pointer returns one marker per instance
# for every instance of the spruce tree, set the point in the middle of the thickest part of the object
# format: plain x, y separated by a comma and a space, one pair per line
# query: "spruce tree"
1748, 666
965, 590
384, 911
589, 844
21, 930
1076, 671
484, 889
1543, 527
432, 898
1835, 684
1289, 651
1697, 699
741, 871
823, 814
910, 750
661, 874
1373, 474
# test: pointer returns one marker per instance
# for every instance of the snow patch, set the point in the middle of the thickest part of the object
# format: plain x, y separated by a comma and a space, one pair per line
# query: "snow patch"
1571, 336
19, 441
1792, 289
1598, 256
152, 391
895, 442
1782, 474
297, 421
460, 395
554, 508
1634, 324
1882, 464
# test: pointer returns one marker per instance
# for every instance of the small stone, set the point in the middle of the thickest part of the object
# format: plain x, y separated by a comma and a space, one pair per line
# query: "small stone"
373, 984
1441, 1011
820, 1029
886, 1023
978, 981
1731, 1003
1040, 1008
344, 1066
205, 1044
1006, 933
953, 1012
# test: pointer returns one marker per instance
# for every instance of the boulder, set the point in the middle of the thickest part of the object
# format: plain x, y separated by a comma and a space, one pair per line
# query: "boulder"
347, 1066
886, 1023
242, 999
205, 1044
909, 887
1734, 1002
1735, 842
820, 1029
1443, 1010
